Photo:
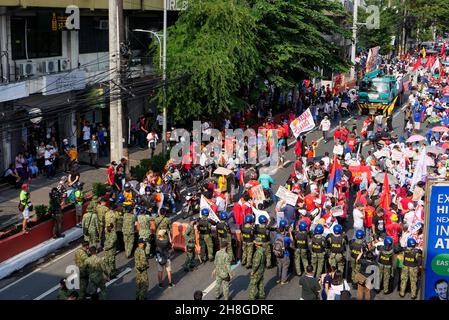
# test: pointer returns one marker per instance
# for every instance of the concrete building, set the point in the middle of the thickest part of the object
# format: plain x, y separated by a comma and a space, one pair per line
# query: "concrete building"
52, 78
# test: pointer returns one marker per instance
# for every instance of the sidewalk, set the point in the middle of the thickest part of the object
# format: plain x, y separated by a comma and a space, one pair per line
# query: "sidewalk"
41, 186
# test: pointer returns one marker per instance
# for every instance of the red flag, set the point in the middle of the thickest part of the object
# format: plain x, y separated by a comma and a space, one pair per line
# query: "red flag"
443, 49
417, 64
385, 196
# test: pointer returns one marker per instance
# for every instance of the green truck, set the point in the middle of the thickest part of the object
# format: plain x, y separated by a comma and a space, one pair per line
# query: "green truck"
379, 92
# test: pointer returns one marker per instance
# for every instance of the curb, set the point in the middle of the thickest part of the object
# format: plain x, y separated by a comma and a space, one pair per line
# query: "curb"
31, 255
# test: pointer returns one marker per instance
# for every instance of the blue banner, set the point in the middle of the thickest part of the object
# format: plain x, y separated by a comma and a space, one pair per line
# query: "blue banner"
437, 246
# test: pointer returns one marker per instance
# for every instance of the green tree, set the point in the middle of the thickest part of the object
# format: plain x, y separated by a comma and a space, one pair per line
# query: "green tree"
294, 39
214, 43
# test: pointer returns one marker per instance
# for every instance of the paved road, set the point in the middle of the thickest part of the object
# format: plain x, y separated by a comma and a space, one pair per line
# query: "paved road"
39, 281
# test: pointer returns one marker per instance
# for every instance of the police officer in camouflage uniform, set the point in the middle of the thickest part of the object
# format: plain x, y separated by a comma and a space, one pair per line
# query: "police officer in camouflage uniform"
129, 230
95, 268
110, 246
222, 271
110, 216
101, 213
143, 219
318, 247
412, 263
356, 247
204, 229
189, 236
301, 237
93, 204
262, 234
81, 256
385, 260
256, 284
337, 247
224, 233
248, 241
119, 213
90, 227
141, 265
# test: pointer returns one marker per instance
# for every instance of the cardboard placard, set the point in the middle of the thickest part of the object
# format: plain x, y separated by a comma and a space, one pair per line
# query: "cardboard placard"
289, 197
257, 192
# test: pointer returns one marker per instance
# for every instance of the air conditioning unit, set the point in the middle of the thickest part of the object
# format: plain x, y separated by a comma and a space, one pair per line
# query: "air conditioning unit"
103, 25
64, 64
50, 66
27, 69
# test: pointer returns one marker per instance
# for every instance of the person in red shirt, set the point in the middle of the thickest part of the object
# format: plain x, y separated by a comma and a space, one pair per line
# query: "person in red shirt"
351, 142
344, 134
370, 212
286, 129
309, 201
337, 134
298, 147
111, 173
394, 229
403, 204
238, 213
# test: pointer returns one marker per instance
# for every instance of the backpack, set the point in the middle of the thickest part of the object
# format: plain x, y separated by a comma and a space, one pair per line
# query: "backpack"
279, 247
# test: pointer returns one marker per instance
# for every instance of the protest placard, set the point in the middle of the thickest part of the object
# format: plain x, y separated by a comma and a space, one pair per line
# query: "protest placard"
288, 196
303, 123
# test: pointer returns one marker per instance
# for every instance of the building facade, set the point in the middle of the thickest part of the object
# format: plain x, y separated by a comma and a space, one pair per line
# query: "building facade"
52, 78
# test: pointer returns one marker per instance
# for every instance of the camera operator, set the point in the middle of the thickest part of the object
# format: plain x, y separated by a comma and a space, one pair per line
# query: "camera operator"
55, 209
366, 258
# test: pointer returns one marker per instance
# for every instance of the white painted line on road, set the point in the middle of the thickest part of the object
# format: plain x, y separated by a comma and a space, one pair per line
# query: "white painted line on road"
18, 280
120, 275
53, 289
212, 285
59, 258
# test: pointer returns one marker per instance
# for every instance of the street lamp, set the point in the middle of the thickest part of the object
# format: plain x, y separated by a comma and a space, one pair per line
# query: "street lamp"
163, 63
158, 39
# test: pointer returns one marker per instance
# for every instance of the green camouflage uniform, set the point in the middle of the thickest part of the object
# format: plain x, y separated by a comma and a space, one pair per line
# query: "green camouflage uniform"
222, 273
144, 231
189, 236
355, 245
90, 226
129, 229
141, 265
110, 245
162, 223
247, 245
337, 248
110, 217
318, 248
101, 213
412, 261
204, 229
302, 249
93, 204
262, 234
80, 261
385, 266
95, 269
256, 284
224, 234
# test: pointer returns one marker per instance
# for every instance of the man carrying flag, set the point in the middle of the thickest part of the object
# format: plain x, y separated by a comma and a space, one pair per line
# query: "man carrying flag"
385, 196
335, 175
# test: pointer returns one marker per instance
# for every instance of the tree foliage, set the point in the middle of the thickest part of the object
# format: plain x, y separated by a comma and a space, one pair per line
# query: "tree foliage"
214, 43
292, 39
229, 47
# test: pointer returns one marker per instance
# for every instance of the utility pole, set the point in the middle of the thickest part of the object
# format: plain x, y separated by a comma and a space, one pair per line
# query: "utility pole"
354, 37
115, 104
164, 77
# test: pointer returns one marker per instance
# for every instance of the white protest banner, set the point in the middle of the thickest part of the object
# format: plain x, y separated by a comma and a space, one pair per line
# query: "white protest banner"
338, 150
396, 155
337, 211
303, 123
257, 193
204, 203
289, 197
381, 153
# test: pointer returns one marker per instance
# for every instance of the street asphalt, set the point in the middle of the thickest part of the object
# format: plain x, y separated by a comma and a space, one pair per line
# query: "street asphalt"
40, 280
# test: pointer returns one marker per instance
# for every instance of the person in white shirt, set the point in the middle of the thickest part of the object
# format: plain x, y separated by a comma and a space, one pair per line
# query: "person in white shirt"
338, 285
325, 126
49, 158
326, 160
86, 132
152, 139
358, 217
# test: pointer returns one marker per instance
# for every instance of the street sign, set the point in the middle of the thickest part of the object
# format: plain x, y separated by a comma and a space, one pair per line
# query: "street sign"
436, 246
